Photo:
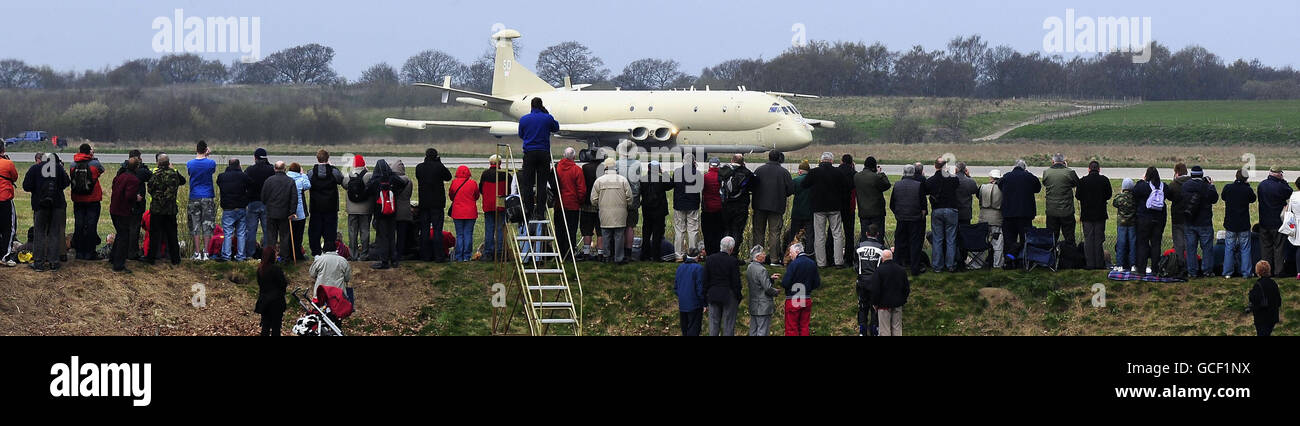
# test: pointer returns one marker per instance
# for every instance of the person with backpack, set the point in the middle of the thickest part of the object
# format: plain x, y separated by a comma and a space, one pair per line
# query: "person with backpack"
430, 174
359, 207
828, 185
737, 183
463, 193
384, 187
86, 197
1093, 194
235, 186
990, 198
162, 212
1150, 195
281, 195
1237, 198
202, 207
1199, 197
1265, 300
8, 212
1125, 227
324, 207
46, 180
259, 172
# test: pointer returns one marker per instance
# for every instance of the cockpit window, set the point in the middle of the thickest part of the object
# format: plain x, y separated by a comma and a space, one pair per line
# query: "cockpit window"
786, 110
773, 109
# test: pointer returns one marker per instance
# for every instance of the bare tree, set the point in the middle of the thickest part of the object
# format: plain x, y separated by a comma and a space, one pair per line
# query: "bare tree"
16, 74
431, 66
380, 74
650, 74
190, 68
570, 59
305, 64
253, 73
478, 76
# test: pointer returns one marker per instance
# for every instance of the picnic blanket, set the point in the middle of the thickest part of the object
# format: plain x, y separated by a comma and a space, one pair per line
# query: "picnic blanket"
1134, 276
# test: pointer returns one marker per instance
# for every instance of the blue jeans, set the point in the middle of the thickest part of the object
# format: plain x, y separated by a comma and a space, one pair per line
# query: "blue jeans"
1237, 241
943, 239
493, 241
235, 225
256, 217
464, 239
1205, 235
1125, 246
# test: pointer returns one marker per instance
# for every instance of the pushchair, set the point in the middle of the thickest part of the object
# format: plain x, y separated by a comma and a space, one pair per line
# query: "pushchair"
869, 255
973, 241
1040, 249
324, 312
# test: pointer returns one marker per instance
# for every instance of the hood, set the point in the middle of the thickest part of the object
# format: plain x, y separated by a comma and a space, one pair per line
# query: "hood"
82, 157
399, 168
566, 164
462, 172
1183, 178
382, 169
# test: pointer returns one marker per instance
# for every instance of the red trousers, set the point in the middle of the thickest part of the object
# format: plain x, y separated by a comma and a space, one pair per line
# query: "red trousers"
797, 312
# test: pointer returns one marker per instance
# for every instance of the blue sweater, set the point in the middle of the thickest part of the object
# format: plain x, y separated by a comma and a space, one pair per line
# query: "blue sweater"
689, 286
201, 171
802, 270
535, 129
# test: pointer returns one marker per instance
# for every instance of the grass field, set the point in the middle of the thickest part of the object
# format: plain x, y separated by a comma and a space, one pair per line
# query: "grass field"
1178, 123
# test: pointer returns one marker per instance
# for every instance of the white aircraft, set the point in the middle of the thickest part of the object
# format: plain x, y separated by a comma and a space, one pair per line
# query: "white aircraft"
714, 121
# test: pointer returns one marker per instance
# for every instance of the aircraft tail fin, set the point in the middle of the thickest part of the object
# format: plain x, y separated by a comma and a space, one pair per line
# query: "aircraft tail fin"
509, 78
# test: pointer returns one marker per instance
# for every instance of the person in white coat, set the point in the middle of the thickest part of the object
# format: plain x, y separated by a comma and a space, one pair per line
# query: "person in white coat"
1289, 218
612, 194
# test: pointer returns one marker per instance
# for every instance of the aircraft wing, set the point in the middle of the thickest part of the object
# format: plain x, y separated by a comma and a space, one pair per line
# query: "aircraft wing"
489, 99
619, 128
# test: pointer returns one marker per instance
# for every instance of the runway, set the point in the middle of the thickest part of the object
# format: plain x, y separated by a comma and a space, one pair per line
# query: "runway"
978, 172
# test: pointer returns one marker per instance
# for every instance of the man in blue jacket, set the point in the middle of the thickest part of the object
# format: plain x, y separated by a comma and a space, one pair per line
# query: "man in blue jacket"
689, 286
1018, 205
1274, 192
801, 278
535, 129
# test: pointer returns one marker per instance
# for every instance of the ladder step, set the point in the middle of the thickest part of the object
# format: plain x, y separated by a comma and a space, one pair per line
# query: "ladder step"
543, 271
541, 254
552, 305
546, 287
535, 238
558, 321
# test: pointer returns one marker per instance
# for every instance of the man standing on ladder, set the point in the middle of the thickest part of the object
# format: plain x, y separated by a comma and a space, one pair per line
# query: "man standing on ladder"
535, 129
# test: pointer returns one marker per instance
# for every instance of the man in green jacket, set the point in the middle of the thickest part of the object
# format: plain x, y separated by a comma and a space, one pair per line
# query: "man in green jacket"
871, 184
1059, 182
800, 210
162, 211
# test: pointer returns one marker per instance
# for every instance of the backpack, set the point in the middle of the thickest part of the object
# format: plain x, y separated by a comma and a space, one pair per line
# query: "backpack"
83, 179
1173, 266
733, 183
356, 188
1192, 206
385, 200
1156, 201
1070, 256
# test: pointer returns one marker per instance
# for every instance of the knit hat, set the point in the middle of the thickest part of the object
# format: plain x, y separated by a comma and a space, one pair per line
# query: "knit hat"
1197, 171
1127, 185
358, 161
803, 165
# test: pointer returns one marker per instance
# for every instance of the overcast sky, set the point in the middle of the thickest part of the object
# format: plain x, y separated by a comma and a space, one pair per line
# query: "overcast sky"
77, 34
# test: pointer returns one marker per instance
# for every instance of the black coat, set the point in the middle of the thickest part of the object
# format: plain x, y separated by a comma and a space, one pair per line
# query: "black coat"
36, 183
271, 285
280, 193
1265, 301
688, 183
144, 174
325, 182
774, 185
1142, 190
889, 285
1274, 195
430, 175
1094, 194
1237, 197
847, 205
908, 199
721, 278
1204, 214
654, 194
829, 188
943, 190
1018, 189
260, 171
236, 188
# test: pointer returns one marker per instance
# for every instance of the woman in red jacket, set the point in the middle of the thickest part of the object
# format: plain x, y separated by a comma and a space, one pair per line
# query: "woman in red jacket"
463, 193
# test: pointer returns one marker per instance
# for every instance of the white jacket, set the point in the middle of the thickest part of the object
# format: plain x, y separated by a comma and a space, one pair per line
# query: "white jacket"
1289, 217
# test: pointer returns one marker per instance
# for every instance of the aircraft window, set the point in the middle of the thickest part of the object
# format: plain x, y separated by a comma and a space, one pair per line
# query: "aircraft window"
786, 110
631, 108
584, 108
652, 109
724, 109
697, 108
772, 109
792, 109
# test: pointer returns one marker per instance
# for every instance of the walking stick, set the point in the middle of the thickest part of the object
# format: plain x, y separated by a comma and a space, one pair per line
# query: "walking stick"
291, 247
